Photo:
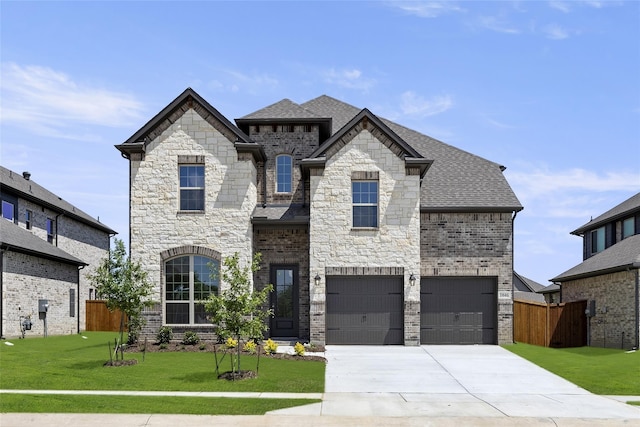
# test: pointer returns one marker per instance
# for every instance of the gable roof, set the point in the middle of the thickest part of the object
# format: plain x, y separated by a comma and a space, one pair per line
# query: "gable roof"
28, 189
457, 181
188, 99
522, 283
14, 238
621, 256
617, 212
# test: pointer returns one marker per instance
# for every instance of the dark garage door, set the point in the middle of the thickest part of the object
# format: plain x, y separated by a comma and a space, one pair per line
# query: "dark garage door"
364, 310
457, 310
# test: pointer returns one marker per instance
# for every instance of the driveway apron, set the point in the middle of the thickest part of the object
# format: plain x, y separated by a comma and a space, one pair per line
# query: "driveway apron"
445, 380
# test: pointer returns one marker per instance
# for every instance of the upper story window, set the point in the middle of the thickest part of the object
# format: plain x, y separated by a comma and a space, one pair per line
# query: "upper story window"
191, 187
628, 227
365, 204
283, 174
8, 210
188, 283
28, 219
51, 230
597, 240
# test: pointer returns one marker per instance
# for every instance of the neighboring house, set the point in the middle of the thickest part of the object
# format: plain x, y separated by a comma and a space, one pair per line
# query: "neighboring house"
370, 232
609, 276
526, 289
48, 248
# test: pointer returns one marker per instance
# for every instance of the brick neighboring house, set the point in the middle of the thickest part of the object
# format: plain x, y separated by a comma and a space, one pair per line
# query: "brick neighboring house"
370, 232
48, 248
609, 275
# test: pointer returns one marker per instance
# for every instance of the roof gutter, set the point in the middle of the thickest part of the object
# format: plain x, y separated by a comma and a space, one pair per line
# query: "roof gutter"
617, 269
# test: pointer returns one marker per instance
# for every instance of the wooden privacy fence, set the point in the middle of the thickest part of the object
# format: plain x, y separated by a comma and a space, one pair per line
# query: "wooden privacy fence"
99, 318
550, 325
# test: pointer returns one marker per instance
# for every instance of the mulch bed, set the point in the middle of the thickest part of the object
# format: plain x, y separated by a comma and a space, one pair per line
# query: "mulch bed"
116, 363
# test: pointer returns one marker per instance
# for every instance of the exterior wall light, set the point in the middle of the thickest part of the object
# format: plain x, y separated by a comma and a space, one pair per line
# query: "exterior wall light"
317, 279
412, 280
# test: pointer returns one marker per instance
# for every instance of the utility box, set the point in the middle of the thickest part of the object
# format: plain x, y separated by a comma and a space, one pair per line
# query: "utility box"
43, 305
591, 309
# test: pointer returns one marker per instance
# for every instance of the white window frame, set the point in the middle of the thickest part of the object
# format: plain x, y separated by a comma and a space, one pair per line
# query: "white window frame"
189, 188
375, 204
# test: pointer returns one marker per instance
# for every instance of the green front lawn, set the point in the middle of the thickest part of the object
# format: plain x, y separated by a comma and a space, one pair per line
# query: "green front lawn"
78, 404
599, 370
74, 363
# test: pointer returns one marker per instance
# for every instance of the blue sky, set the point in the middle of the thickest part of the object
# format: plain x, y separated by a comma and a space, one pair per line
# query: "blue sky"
551, 90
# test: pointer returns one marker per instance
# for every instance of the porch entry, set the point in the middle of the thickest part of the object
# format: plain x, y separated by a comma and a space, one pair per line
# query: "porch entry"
284, 300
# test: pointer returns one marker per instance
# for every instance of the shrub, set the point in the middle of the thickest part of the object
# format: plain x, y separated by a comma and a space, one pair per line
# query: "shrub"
203, 346
299, 349
163, 346
231, 343
190, 338
165, 335
250, 347
270, 347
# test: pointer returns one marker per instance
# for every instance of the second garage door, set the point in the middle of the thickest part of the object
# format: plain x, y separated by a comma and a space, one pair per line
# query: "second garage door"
364, 310
456, 310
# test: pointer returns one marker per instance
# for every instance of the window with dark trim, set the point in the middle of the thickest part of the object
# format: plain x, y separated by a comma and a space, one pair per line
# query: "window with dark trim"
365, 204
51, 230
598, 240
283, 173
8, 210
191, 187
188, 283
28, 218
628, 227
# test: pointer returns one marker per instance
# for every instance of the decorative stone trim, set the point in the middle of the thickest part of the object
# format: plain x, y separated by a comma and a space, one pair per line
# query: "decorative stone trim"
198, 160
190, 250
365, 175
375, 131
364, 271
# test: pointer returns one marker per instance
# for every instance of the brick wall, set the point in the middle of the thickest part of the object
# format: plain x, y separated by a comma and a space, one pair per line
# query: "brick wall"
282, 245
472, 244
615, 324
26, 279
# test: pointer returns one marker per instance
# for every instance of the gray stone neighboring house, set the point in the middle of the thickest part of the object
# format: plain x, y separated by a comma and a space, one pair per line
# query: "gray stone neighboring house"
525, 289
48, 248
370, 232
609, 276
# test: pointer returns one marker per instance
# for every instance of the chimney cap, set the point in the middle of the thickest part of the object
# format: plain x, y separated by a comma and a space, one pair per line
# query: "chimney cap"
26, 175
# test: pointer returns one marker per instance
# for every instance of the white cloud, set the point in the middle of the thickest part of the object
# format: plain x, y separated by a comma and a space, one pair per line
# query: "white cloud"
560, 5
571, 193
348, 78
426, 9
49, 102
556, 32
498, 24
415, 105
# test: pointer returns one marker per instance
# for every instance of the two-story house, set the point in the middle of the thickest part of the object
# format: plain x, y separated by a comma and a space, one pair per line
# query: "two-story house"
609, 276
48, 248
370, 232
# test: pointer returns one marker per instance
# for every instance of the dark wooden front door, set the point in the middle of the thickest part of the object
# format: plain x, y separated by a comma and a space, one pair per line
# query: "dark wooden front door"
284, 301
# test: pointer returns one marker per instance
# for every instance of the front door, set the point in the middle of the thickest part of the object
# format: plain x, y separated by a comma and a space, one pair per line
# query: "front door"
284, 301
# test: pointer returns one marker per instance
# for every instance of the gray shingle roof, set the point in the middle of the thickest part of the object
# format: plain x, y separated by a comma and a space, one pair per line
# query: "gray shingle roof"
617, 212
532, 285
285, 109
31, 190
15, 238
622, 255
298, 214
456, 181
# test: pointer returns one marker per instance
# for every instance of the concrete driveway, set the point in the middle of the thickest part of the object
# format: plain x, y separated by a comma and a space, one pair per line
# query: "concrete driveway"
475, 381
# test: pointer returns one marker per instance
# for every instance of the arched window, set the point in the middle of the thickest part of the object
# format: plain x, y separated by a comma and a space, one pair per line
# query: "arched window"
189, 280
283, 174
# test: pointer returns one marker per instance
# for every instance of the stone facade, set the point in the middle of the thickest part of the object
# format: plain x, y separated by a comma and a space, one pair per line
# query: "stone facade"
27, 279
335, 243
615, 323
472, 245
157, 223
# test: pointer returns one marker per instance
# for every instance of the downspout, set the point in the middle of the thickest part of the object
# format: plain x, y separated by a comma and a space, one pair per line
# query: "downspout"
264, 184
80, 267
2, 251
513, 251
637, 328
